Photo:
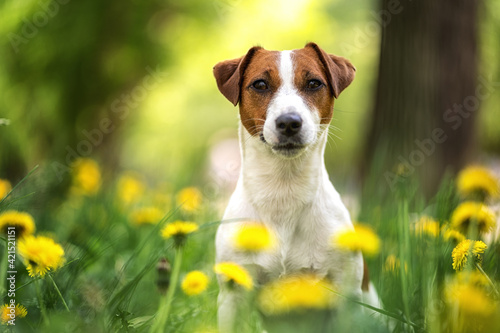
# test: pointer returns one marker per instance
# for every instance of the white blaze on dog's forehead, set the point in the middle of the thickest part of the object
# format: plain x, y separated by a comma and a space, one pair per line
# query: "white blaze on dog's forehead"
286, 71
288, 99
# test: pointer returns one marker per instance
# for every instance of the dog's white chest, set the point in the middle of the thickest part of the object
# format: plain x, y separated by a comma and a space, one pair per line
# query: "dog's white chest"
302, 220
295, 252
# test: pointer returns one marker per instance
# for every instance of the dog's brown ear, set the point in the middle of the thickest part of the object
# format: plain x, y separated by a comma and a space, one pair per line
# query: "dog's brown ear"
229, 75
340, 70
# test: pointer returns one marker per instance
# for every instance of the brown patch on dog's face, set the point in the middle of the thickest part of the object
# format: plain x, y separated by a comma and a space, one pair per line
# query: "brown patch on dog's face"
260, 82
312, 83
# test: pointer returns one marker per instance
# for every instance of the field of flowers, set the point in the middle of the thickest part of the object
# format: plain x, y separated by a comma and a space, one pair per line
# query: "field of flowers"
120, 255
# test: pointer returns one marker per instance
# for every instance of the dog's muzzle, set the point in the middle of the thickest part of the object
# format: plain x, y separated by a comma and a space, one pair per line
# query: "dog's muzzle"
288, 130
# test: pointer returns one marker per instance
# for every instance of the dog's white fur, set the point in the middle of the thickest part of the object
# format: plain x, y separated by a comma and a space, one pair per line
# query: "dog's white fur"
294, 198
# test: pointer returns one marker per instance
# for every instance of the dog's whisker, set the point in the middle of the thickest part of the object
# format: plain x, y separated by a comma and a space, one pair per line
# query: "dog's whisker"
253, 119
329, 143
335, 128
329, 128
342, 111
330, 125
331, 134
335, 143
257, 127
336, 136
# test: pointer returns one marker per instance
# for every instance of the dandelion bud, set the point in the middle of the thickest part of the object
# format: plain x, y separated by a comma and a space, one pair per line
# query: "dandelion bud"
163, 269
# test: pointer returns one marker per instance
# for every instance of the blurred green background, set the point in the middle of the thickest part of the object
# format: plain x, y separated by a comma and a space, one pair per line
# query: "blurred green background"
130, 83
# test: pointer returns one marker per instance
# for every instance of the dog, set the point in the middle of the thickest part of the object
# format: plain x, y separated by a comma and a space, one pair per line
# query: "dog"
286, 103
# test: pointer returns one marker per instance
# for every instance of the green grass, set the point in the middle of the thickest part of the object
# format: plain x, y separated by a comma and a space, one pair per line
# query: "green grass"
109, 280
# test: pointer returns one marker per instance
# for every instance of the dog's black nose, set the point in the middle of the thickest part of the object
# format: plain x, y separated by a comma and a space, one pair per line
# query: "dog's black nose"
289, 123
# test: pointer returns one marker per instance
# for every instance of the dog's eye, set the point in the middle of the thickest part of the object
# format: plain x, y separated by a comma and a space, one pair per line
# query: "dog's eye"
314, 84
260, 85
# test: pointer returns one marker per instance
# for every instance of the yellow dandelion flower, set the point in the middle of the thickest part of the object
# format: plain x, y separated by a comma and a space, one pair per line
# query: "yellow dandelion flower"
5, 188
130, 188
189, 199
470, 300
41, 254
393, 264
179, 231
86, 176
477, 180
194, 283
465, 249
473, 212
296, 293
428, 226
253, 237
362, 238
234, 274
178, 228
146, 215
23, 222
11, 312
454, 235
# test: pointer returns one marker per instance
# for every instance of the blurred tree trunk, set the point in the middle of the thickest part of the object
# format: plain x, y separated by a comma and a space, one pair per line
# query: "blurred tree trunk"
425, 105
67, 73
74, 73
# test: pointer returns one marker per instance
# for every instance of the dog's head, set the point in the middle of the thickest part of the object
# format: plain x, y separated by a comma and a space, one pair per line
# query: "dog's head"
286, 98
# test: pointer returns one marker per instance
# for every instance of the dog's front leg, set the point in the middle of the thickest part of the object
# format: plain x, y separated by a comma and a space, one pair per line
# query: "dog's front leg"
231, 304
227, 311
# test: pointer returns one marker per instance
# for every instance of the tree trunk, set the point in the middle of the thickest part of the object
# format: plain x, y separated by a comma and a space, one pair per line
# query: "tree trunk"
425, 106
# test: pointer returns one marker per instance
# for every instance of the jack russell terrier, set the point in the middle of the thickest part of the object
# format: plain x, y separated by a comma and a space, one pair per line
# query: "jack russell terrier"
286, 105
